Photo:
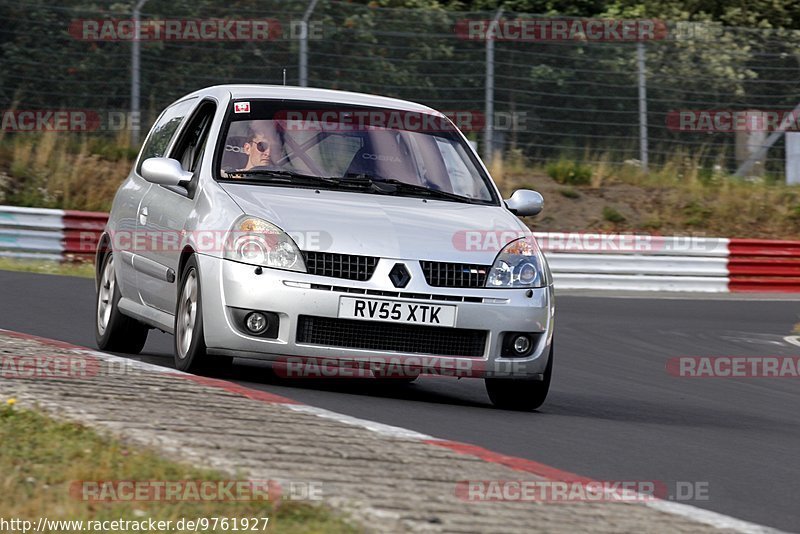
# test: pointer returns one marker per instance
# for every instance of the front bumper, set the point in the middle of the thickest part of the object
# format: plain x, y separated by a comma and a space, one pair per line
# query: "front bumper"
226, 284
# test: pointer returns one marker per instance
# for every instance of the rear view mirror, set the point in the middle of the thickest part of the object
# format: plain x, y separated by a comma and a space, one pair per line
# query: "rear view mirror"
164, 171
525, 202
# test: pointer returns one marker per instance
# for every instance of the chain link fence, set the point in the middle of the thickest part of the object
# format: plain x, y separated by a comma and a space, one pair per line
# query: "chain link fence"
610, 100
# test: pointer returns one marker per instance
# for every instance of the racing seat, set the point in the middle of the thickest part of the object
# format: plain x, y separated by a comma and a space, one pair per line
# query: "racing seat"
233, 158
360, 165
385, 164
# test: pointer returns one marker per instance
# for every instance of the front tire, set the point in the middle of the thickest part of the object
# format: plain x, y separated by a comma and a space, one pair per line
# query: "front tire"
191, 354
522, 395
114, 331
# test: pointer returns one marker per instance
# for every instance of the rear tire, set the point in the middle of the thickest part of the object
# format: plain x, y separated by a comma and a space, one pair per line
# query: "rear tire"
191, 353
113, 331
522, 395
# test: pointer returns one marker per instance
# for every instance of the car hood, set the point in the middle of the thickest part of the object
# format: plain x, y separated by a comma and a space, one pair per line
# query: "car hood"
382, 225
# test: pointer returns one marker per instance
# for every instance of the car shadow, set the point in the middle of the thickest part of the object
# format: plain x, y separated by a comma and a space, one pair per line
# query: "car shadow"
429, 389
469, 393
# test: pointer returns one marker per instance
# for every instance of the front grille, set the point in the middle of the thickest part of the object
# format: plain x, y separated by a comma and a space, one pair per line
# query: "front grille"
439, 274
346, 266
373, 335
396, 294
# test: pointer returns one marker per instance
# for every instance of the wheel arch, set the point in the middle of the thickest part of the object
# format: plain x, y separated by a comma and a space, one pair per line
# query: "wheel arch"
103, 248
186, 253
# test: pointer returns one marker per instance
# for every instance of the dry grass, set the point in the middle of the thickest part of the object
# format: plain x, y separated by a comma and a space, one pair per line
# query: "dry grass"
72, 172
41, 457
679, 197
65, 171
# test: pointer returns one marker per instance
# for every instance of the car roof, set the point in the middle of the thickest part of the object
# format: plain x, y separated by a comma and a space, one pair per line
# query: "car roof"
286, 92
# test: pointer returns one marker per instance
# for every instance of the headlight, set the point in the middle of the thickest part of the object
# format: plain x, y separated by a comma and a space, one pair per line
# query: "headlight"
520, 264
257, 242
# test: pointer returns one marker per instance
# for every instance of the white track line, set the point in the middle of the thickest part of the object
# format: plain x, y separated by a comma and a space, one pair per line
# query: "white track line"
687, 511
710, 518
794, 340
380, 428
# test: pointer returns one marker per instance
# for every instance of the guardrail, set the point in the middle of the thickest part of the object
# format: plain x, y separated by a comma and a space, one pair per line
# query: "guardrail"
81, 232
578, 260
31, 233
764, 265
636, 262
48, 234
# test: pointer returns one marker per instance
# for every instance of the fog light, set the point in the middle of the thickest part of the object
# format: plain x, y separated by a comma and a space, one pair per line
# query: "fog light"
522, 344
256, 322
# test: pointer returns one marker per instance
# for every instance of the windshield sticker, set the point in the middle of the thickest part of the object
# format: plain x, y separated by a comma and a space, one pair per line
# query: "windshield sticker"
381, 157
241, 107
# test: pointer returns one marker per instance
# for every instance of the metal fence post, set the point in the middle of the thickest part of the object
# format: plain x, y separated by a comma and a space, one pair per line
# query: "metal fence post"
303, 60
643, 152
489, 89
773, 138
135, 121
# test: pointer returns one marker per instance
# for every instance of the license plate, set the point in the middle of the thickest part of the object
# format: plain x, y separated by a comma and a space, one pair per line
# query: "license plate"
394, 311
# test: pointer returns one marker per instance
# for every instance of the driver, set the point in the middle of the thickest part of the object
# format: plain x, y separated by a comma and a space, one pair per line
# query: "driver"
262, 147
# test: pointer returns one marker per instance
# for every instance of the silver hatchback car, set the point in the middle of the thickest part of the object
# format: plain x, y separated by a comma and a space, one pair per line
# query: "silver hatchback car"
332, 234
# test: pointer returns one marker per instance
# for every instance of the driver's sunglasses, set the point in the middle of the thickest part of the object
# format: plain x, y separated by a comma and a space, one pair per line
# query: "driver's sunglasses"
261, 146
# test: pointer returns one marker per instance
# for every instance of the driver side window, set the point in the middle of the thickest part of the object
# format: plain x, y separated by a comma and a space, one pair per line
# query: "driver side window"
191, 144
163, 131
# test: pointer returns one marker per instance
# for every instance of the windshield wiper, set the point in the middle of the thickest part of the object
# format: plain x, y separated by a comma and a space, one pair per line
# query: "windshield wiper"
380, 184
387, 186
277, 175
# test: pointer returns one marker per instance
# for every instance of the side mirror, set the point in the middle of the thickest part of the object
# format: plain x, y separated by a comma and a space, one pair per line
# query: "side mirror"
525, 202
164, 171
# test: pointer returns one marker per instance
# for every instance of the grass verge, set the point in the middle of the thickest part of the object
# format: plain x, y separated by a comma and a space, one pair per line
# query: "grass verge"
83, 269
40, 457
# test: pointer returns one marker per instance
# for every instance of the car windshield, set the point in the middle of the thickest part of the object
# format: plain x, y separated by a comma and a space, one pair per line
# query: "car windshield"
365, 150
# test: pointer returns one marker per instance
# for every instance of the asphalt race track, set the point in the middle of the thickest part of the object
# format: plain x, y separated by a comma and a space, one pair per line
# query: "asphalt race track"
614, 413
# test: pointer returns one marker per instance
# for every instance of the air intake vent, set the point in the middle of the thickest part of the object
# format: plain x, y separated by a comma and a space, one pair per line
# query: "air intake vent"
439, 274
374, 335
345, 266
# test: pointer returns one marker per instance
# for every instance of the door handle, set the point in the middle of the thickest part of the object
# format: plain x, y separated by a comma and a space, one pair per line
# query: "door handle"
143, 216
